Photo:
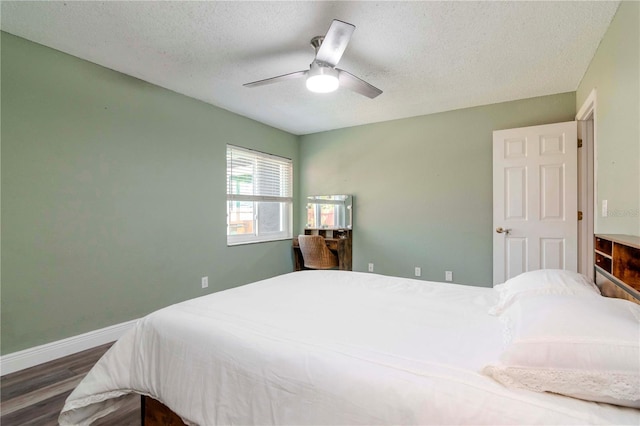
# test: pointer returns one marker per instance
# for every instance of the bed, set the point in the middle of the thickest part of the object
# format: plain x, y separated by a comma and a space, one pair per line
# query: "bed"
338, 347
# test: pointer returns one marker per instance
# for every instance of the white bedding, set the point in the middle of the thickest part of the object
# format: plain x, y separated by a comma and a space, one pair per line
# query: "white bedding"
325, 347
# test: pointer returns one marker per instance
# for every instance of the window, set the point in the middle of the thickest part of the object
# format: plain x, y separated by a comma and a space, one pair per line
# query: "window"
259, 196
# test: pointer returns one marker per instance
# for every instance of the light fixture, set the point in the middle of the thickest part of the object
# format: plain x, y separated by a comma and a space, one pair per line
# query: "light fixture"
322, 78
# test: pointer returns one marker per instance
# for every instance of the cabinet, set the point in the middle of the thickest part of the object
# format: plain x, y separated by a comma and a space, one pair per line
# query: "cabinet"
617, 265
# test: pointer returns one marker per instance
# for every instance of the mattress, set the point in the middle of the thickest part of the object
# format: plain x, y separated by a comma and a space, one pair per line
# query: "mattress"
325, 347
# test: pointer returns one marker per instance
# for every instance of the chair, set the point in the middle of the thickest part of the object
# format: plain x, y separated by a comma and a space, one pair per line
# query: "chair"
315, 253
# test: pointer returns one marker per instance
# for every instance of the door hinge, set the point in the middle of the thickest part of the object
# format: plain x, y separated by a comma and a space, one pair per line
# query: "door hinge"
579, 143
579, 215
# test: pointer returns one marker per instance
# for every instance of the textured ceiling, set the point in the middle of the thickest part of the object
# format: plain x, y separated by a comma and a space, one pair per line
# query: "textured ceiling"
427, 57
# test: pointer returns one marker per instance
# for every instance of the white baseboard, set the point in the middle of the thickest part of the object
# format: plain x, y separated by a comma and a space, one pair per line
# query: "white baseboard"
17, 361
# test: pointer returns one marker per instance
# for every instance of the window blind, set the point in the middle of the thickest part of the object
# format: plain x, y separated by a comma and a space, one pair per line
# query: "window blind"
256, 176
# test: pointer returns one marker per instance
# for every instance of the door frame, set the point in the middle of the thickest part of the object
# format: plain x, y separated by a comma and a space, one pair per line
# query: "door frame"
587, 182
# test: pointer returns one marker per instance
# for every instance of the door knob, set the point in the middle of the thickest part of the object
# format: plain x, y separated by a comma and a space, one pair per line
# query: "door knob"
501, 230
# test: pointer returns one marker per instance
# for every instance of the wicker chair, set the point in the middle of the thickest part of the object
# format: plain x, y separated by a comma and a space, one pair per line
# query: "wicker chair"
315, 253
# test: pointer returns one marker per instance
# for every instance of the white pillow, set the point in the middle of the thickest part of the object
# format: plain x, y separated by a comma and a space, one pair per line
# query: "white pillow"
542, 281
586, 348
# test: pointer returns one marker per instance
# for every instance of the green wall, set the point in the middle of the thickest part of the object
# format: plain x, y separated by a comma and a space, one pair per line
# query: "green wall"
615, 74
422, 186
113, 197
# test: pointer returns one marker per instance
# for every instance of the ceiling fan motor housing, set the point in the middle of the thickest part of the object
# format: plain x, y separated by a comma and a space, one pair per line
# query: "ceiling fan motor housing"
316, 42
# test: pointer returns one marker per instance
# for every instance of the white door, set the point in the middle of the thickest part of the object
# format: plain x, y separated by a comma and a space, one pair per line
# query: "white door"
535, 213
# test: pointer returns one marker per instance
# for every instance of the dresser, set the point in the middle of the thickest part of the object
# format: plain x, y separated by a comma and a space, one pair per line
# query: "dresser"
617, 265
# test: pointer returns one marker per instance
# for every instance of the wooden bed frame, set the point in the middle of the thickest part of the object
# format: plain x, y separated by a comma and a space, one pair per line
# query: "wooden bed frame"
155, 413
620, 282
609, 289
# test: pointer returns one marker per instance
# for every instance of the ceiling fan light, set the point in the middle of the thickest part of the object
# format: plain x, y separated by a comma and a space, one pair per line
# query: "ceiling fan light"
322, 83
322, 79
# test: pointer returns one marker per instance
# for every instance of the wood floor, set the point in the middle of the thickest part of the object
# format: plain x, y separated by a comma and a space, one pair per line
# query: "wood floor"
35, 396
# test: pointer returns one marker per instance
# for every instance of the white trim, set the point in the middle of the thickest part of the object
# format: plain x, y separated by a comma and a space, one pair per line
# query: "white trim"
588, 106
17, 361
588, 111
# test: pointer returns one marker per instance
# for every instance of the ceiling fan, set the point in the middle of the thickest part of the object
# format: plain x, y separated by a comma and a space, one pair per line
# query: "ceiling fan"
322, 75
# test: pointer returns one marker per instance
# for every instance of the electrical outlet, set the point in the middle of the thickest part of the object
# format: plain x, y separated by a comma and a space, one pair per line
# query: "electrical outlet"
448, 276
205, 282
418, 271
371, 267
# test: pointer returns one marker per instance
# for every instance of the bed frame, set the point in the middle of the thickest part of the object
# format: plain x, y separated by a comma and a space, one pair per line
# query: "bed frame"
609, 289
154, 413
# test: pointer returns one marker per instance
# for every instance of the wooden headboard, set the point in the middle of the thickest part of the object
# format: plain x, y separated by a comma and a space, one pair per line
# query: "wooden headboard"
617, 270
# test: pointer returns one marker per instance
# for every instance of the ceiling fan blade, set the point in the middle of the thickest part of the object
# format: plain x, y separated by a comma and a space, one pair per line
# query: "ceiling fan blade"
277, 79
352, 82
335, 42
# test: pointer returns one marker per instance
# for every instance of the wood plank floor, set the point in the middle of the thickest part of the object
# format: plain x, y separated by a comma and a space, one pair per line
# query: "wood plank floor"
35, 396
